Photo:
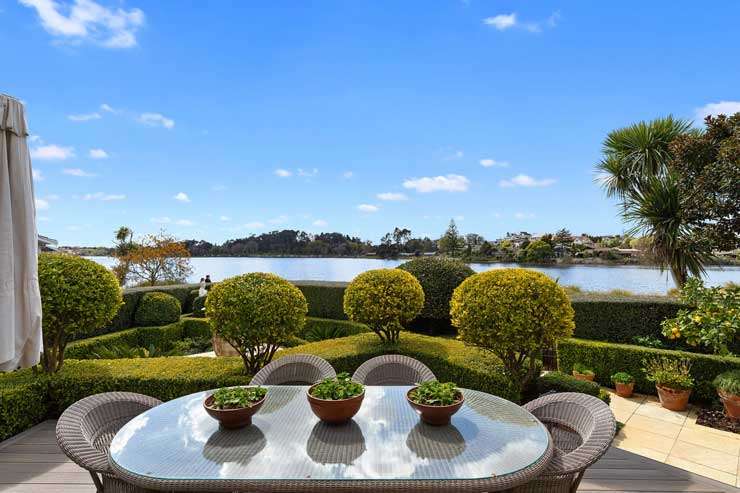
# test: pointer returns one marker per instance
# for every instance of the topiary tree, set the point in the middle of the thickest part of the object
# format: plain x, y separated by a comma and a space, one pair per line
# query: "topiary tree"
78, 296
157, 309
514, 313
438, 276
256, 313
384, 300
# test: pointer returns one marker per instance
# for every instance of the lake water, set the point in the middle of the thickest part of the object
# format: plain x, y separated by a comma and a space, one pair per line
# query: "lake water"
643, 280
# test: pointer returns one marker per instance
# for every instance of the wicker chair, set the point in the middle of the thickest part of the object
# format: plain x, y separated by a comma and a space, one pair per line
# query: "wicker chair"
582, 429
393, 369
298, 369
87, 427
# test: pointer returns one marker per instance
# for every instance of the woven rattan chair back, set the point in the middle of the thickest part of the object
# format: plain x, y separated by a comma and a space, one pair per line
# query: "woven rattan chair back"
87, 427
582, 428
393, 369
297, 369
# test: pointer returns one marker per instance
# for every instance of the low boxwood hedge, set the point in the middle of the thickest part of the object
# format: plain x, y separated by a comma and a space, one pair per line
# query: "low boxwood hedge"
325, 299
24, 402
157, 309
607, 359
556, 381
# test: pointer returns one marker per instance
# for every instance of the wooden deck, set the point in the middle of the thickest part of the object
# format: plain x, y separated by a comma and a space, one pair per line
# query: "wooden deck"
32, 463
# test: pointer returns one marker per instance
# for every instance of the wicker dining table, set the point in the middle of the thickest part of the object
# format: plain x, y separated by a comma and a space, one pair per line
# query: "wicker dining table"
491, 444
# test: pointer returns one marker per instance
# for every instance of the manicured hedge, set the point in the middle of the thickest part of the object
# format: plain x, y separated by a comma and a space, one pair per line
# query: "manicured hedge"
555, 381
157, 309
607, 359
620, 319
449, 359
325, 299
24, 402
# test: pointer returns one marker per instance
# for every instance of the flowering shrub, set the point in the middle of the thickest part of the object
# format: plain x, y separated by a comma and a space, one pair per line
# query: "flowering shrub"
713, 321
670, 373
513, 313
384, 300
256, 313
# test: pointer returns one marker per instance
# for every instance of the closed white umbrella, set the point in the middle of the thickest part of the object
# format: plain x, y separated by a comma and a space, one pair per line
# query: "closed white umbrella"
20, 299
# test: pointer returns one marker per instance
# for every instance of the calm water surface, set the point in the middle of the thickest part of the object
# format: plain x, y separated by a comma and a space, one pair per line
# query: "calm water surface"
591, 278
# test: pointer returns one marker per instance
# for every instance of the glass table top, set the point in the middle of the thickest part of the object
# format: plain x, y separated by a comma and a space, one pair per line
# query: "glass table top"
489, 436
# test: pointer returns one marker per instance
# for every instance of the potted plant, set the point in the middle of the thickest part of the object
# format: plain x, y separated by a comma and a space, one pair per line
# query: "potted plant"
336, 400
582, 372
435, 402
234, 407
673, 381
624, 383
728, 388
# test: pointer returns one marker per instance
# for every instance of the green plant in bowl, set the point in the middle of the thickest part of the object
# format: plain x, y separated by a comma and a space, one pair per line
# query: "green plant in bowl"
434, 393
237, 397
672, 379
624, 383
728, 388
582, 369
623, 378
340, 387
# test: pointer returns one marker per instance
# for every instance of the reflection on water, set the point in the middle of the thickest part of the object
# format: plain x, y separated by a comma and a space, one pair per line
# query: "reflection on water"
336, 444
590, 278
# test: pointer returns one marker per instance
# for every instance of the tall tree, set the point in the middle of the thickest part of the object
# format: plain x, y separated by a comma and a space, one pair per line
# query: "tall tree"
123, 246
159, 258
563, 237
451, 242
635, 170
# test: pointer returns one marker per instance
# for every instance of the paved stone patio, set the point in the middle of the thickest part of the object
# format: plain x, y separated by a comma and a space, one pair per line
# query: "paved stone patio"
674, 438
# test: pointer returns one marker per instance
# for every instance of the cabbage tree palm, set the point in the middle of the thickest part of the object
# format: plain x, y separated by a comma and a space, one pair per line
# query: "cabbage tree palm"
635, 171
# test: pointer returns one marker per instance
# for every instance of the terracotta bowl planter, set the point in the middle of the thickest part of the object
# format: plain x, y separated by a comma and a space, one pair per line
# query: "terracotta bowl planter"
335, 412
435, 415
232, 418
674, 400
732, 404
586, 377
625, 389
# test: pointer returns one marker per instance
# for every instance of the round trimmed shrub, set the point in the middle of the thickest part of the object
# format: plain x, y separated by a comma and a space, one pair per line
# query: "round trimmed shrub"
78, 296
256, 313
438, 276
157, 309
384, 300
514, 313
199, 307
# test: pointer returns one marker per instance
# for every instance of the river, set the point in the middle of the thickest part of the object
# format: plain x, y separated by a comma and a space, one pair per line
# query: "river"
643, 280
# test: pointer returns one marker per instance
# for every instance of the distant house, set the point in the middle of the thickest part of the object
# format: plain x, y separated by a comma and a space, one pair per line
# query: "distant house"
47, 244
583, 240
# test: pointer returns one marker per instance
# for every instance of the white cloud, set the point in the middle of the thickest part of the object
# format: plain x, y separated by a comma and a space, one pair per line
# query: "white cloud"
224, 218
524, 215
156, 120
282, 219
42, 205
392, 196
368, 208
721, 108
184, 222
84, 117
526, 181
501, 21
254, 225
347, 175
283, 173
161, 220
37, 175
320, 223
77, 172
181, 197
98, 154
492, 163
308, 172
105, 197
107, 108
52, 152
86, 20
448, 183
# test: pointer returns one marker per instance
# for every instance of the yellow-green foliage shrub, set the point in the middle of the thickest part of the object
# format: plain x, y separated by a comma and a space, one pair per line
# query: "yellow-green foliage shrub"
157, 309
78, 296
513, 313
384, 300
255, 313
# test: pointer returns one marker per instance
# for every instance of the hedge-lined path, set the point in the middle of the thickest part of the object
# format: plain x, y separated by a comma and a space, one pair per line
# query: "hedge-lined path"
31, 462
675, 438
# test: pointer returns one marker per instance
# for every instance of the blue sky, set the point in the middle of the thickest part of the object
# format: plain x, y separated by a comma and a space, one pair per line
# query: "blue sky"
219, 120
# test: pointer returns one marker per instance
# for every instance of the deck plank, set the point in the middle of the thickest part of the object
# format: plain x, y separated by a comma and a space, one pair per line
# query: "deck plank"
31, 462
